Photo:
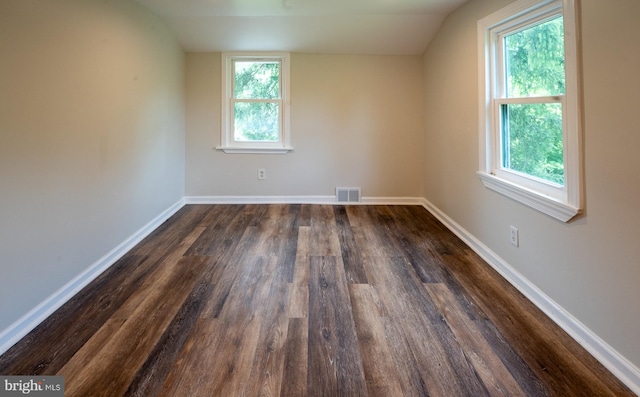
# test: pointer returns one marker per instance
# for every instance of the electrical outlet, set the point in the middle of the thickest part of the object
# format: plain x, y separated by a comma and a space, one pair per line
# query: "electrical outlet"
515, 236
262, 174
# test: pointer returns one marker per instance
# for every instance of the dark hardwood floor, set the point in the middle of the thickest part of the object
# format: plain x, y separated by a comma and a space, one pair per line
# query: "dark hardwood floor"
305, 300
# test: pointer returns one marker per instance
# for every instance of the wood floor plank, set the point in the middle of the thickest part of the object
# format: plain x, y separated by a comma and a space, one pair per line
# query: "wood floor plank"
304, 217
412, 380
289, 242
163, 240
149, 379
244, 313
442, 238
217, 215
224, 359
323, 232
372, 243
334, 363
277, 236
193, 368
268, 360
299, 289
494, 374
444, 370
238, 252
268, 227
380, 373
351, 256
413, 240
221, 235
296, 359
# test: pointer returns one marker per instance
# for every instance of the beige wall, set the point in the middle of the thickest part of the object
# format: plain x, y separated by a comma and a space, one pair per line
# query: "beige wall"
355, 121
590, 266
91, 138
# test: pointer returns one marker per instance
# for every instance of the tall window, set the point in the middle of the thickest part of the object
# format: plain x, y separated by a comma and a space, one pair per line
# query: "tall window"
255, 105
529, 105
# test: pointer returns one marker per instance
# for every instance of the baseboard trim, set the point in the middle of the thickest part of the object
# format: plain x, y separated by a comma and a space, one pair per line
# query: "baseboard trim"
260, 199
615, 362
327, 200
21, 327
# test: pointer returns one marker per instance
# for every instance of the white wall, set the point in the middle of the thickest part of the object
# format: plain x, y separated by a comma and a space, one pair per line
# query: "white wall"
355, 121
91, 138
590, 266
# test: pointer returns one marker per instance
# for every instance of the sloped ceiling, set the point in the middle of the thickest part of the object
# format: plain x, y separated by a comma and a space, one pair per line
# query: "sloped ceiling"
391, 27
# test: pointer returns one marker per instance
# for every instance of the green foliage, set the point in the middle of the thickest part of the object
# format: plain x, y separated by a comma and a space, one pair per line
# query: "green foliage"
534, 140
257, 118
257, 80
532, 133
256, 121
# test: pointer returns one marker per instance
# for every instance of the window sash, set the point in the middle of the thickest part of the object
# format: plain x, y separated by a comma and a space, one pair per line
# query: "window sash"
232, 103
549, 188
499, 62
266, 60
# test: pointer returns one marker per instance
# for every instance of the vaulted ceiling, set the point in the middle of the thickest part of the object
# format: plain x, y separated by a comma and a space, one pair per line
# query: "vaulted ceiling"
316, 26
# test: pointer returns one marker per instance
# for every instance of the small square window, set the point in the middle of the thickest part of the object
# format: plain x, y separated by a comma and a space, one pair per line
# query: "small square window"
255, 105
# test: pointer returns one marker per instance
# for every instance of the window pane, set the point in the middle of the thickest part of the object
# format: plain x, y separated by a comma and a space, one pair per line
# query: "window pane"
535, 60
257, 80
532, 140
256, 121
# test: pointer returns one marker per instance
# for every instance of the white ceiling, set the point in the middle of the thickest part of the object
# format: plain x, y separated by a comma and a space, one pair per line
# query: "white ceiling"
316, 26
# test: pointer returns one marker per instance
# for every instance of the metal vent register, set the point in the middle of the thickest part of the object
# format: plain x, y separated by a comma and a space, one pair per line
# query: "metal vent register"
348, 194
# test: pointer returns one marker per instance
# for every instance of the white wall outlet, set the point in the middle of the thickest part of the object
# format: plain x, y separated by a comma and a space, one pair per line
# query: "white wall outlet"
515, 236
262, 174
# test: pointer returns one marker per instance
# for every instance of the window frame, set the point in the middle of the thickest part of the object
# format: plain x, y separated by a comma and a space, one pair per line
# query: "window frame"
562, 202
228, 143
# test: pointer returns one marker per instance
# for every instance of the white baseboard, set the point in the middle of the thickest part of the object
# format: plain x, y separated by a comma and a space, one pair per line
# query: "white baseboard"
16, 331
260, 199
392, 200
327, 200
615, 362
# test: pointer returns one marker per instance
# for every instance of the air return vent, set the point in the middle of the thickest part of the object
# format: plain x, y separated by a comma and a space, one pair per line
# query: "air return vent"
348, 194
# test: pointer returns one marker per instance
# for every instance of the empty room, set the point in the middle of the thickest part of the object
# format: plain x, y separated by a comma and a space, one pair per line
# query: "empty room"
319, 198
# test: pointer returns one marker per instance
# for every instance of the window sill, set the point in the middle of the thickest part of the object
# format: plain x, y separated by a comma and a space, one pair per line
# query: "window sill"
255, 150
537, 201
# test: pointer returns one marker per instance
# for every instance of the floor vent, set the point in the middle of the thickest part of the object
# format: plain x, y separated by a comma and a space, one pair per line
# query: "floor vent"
348, 194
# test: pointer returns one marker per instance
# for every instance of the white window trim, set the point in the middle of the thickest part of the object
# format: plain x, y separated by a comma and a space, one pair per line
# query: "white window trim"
227, 142
562, 203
